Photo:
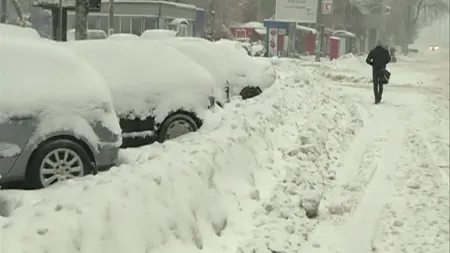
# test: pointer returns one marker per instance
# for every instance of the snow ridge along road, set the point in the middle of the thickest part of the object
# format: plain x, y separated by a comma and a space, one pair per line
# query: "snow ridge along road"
234, 186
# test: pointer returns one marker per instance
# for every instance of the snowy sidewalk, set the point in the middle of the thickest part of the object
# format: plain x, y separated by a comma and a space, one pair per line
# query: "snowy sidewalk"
391, 191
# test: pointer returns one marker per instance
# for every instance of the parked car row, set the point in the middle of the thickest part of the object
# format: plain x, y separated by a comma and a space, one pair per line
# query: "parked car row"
67, 108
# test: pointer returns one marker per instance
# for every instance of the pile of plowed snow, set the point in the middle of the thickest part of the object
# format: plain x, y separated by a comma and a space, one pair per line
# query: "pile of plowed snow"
241, 183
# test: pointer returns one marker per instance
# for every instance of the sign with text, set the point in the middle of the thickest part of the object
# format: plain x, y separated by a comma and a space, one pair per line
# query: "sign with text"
327, 7
300, 11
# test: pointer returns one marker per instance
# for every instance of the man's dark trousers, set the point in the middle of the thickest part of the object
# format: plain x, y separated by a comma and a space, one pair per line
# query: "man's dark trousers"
377, 85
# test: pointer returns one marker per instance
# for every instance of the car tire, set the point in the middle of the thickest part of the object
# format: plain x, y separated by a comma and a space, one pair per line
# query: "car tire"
71, 151
250, 92
186, 123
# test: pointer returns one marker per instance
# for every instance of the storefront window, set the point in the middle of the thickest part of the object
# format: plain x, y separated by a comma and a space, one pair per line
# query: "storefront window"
125, 24
103, 23
149, 23
136, 25
92, 22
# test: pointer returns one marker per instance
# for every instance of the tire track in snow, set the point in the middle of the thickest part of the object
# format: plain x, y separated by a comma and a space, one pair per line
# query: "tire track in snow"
360, 229
385, 129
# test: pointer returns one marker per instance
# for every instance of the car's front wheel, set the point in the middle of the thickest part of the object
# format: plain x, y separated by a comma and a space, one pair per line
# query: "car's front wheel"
176, 125
56, 161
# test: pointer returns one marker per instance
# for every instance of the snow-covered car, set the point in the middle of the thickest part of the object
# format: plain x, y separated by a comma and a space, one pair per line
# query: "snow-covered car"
158, 34
248, 76
123, 36
158, 92
203, 52
92, 34
17, 31
57, 120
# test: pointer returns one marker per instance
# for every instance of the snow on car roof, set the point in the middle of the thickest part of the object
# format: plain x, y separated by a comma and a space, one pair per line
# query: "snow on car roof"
145, 76
158, 34
123, 36
17, 31
41, 76
92, 34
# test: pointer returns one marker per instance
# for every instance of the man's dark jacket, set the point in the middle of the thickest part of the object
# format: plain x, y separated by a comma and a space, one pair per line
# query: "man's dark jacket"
379, 57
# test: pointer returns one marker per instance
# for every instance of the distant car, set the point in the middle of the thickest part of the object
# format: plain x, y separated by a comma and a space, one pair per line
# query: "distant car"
235, 72
158, 92
92, 34
203, 52
123, 36
159, 34
434, 48
57, 120
248, 76
17, 31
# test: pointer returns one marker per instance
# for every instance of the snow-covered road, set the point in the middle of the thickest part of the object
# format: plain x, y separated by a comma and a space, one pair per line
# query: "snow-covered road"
244, 182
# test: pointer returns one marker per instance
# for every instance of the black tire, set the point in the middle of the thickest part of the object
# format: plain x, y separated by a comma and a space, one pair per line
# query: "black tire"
167, 124
33, 178
250, 92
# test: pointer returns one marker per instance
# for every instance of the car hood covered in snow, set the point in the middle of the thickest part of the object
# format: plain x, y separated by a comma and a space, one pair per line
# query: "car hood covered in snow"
148, 78
245, 70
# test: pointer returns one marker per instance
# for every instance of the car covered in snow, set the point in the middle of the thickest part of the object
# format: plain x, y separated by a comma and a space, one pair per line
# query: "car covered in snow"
235, 72
157, 34
123, 36
57, 120
17, 31
158, 92
203, 52
92, 34
248, 76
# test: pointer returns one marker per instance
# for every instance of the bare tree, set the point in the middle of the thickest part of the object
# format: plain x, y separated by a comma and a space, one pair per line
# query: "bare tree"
81, 12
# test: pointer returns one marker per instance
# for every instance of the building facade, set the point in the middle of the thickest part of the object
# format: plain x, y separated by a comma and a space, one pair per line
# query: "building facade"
137, 16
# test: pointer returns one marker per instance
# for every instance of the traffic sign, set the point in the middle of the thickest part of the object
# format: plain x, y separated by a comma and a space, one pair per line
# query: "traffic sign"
327, 7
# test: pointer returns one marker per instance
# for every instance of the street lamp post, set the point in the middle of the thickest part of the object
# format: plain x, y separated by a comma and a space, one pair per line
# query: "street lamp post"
319, 30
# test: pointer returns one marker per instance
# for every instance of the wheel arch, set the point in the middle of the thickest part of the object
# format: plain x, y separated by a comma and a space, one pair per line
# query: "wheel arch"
26, 156
191, 114
247, 88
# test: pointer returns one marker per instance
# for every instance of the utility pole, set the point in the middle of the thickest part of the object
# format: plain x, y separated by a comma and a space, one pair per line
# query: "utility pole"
111, 17
60, 21
4, 13
81, 13
382, 28
319, 30
408, 27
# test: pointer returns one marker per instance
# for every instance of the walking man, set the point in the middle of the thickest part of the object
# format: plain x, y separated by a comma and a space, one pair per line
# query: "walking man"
378, 58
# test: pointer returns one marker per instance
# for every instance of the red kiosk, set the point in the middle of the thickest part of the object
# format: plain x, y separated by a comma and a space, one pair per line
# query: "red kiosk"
334, 46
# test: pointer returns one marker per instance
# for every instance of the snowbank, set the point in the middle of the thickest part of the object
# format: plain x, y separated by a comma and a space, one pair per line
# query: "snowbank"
234, 186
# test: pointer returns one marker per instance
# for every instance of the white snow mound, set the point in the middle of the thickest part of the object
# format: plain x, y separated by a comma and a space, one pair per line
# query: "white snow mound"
234, 186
